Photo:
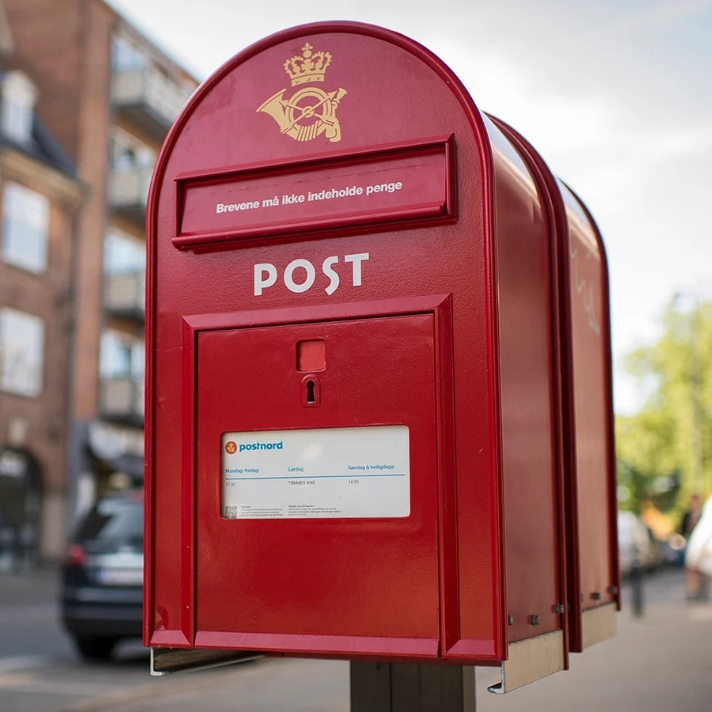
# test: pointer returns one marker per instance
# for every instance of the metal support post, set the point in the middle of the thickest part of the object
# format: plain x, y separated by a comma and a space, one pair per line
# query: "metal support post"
411, 687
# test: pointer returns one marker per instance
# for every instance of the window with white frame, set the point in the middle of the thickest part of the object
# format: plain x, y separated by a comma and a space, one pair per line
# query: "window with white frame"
19, 96
128, 152
122, 356
127, 56
123, 254
25, 227
22, 338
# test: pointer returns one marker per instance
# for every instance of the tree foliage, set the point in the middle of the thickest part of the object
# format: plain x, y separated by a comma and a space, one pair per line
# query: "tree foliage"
665, 449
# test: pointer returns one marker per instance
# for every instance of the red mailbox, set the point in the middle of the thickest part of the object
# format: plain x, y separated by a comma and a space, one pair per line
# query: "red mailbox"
360, 350
586, 409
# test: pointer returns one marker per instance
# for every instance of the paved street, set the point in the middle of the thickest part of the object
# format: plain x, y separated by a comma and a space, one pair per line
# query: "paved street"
661, 663
28, 613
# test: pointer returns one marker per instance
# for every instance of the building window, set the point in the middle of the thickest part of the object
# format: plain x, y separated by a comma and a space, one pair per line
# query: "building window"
22, 339
128, 152
25, 226
123, 254
122, 356
127, 56
18, 105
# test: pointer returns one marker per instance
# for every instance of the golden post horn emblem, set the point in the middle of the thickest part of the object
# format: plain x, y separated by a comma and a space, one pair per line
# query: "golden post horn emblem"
310, 111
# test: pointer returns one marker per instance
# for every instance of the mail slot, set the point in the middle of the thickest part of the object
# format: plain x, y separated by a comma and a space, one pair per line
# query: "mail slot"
363, 350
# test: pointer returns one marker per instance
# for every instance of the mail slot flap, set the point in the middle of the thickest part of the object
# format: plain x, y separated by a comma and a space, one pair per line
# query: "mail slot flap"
382, 184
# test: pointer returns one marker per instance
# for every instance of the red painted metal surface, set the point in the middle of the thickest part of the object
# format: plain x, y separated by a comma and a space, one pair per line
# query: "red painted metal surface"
592, 445
585, 399
259, 577
532, 490
436, 309
376, 186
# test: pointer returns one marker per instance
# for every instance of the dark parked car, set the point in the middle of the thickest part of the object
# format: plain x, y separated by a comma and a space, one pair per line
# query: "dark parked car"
102, 587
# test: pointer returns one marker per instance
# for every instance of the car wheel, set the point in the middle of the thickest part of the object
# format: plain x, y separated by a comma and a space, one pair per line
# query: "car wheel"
91, 648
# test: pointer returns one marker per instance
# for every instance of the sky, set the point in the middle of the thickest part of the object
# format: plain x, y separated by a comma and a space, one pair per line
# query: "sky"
616, 96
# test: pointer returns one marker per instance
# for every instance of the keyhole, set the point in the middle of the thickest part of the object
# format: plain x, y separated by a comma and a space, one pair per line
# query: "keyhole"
310, 391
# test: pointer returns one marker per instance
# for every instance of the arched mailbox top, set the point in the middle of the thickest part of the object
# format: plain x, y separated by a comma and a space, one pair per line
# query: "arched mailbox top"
581, 223
349, 53
510, 161
331, 124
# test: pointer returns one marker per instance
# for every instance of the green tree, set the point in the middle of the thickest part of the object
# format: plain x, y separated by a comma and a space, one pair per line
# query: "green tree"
671, 436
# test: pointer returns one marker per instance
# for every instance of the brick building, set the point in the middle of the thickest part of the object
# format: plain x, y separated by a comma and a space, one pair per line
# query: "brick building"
108, 95
39, 197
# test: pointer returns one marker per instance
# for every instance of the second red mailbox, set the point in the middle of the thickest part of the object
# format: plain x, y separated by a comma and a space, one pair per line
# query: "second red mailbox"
352, 435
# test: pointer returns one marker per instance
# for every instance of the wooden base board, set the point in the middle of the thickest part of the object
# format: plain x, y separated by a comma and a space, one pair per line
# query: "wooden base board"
599, 624
531, 660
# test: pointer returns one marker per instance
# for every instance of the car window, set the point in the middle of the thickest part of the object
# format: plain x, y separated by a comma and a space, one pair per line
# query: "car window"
114, 520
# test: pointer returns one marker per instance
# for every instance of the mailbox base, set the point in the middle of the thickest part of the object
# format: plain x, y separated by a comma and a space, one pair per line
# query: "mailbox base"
410, 687
530, 660
168, 661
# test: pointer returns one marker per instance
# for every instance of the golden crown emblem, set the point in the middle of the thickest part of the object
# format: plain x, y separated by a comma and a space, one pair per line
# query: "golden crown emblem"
310, 111
310, 67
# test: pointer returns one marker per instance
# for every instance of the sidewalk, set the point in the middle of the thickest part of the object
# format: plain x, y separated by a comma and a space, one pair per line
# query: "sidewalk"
659, 663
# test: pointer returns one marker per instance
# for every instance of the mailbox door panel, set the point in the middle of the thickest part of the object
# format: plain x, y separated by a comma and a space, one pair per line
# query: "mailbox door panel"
318, 581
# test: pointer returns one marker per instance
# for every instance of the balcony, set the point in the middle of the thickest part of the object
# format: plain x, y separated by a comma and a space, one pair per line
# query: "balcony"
148, 99
125, 295
128, 191
121, 400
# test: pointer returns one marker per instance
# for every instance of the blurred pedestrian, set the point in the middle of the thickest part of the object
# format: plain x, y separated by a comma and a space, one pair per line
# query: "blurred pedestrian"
689, 521
691, 517
698, 557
